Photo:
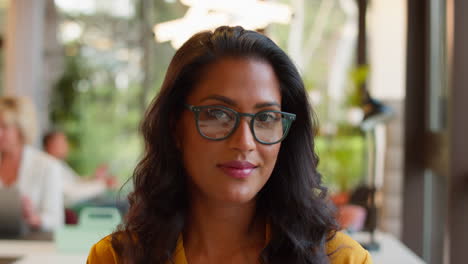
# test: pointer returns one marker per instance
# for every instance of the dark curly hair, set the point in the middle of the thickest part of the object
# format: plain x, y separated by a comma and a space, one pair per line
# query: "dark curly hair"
293, 200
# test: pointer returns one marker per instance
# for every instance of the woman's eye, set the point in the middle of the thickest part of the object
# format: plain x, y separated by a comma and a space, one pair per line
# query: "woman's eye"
266, 117
218, 114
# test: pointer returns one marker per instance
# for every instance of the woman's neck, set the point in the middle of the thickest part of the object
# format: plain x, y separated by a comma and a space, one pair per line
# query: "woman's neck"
216, 230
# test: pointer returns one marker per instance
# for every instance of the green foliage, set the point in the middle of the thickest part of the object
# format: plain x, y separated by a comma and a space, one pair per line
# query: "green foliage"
358, 77
65, 112
342, 153
100, 99
65, 92
97, 118
341, 160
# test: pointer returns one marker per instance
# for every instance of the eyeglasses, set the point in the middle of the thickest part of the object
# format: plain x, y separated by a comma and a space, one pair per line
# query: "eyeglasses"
219, 122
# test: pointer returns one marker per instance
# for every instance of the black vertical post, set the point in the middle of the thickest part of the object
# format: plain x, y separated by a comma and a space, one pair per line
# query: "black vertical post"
415, 124
361, 58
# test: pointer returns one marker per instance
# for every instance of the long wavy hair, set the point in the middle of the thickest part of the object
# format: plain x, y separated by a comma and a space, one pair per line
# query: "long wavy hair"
293, 200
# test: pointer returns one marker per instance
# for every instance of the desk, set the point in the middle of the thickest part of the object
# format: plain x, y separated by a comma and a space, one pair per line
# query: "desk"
32, 252
391, 249
70, 244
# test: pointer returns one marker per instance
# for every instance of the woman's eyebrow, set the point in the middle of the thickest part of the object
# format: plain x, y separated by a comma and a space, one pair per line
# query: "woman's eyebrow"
231, 102
221, 98
267, 104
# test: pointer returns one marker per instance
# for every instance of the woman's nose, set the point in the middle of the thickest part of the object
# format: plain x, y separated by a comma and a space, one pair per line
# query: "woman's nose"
242, 138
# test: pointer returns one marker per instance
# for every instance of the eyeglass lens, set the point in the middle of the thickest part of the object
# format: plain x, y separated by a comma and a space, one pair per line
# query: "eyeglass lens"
218, 123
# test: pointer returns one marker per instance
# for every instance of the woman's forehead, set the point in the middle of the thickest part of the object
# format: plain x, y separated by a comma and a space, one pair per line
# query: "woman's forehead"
241, 80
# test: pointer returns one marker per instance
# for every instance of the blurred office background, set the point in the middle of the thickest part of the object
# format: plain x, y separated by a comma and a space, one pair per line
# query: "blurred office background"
387, 79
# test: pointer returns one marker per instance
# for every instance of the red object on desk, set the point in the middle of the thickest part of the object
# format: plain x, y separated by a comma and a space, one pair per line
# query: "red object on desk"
71, 218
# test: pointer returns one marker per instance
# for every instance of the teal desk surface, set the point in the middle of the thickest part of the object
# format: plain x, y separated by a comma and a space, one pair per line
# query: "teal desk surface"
69, 244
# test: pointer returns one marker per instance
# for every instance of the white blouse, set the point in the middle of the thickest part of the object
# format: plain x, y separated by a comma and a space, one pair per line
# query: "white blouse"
40, 180
76, 189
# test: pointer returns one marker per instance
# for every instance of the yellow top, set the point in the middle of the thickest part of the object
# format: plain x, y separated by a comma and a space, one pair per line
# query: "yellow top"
346, 251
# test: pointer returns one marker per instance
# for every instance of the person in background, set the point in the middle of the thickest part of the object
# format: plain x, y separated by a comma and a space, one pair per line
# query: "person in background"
229, 173
76, 189
34, 173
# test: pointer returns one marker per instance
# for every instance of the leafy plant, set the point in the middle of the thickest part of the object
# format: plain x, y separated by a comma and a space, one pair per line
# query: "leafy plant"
99, 120
341, 160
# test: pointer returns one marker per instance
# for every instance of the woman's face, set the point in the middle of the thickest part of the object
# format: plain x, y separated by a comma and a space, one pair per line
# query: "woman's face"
235, 169
9, 135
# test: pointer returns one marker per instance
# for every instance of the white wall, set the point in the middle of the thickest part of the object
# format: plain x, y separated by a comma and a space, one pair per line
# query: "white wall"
23, 64
387, 48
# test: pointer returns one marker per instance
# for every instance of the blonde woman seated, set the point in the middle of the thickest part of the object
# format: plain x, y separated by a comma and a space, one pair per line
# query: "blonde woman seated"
35, 174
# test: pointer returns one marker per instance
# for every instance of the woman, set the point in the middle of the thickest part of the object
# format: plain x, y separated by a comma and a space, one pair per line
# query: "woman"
35, 174
222, 181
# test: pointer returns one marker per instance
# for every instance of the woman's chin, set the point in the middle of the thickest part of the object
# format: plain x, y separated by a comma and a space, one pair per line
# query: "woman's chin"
238, 196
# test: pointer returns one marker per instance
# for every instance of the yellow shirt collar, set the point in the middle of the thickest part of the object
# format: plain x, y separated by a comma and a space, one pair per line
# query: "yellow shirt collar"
179, 254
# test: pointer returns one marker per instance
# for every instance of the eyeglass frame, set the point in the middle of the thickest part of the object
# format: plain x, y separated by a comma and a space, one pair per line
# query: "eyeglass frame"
197, 109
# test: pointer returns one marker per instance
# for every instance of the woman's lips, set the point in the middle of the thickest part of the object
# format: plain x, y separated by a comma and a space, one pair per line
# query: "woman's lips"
237, 169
